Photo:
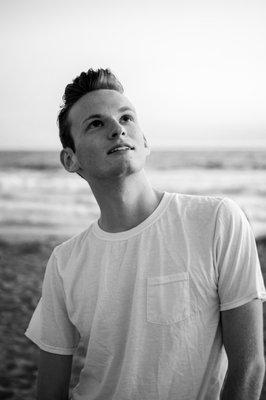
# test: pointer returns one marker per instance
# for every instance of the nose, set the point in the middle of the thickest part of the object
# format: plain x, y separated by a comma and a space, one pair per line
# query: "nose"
116, 130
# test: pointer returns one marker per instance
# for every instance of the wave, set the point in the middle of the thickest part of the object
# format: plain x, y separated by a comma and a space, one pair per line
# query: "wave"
158, 160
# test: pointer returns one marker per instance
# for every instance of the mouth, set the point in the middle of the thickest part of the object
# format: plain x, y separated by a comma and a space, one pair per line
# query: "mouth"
120, 148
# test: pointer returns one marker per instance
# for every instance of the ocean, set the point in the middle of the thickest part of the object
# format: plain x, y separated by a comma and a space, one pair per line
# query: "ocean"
38, 197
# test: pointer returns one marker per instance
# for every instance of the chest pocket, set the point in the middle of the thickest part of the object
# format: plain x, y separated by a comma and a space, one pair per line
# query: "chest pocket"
168, 298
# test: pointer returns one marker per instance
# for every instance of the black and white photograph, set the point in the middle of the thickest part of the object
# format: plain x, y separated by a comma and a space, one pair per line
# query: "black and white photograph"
132, 200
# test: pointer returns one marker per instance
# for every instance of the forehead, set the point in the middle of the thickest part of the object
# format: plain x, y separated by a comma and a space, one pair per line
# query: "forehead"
101, 101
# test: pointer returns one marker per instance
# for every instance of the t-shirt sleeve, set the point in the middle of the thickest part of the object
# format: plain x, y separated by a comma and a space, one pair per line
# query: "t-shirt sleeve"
237, 264
50, 327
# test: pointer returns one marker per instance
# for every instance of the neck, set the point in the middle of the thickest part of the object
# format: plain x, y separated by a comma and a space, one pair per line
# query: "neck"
125, 203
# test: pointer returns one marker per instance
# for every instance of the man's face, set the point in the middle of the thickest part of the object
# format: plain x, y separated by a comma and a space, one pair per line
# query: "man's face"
99, 121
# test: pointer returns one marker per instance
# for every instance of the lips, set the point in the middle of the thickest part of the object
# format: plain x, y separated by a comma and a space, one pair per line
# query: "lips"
120, 147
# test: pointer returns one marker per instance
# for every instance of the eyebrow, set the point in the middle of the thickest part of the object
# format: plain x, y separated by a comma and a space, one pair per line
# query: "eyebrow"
121, 109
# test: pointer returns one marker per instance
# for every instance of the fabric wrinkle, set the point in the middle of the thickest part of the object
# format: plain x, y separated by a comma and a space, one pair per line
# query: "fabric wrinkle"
146, 302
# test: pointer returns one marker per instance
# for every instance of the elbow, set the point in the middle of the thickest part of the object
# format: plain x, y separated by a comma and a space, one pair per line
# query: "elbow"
259, 366
253, 369
256, 373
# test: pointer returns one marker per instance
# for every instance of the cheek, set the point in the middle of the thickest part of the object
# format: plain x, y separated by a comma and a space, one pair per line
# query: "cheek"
87, 155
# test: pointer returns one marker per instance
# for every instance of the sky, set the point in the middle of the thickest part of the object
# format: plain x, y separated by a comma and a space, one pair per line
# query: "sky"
194, 69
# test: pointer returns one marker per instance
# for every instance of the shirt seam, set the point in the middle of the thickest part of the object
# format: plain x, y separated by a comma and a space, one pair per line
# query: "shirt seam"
60, 277
234, 303
40, 343
113, 239
217, 217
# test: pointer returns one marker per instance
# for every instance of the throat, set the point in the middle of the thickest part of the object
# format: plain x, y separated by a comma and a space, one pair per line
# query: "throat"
129, 214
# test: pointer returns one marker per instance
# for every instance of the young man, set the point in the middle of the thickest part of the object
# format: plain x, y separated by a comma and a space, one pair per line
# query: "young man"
164, 290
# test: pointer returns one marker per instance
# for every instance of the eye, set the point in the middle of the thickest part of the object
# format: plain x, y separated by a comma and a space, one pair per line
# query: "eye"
127, 117
95, 124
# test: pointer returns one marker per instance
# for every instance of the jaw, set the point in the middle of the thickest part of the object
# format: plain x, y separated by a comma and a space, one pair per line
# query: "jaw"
117, 165
116, 168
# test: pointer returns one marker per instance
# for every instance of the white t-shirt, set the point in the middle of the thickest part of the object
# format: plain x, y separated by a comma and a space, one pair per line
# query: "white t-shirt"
146, 302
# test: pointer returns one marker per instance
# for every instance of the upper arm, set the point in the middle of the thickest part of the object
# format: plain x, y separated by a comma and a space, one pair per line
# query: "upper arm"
54, 373
242, 330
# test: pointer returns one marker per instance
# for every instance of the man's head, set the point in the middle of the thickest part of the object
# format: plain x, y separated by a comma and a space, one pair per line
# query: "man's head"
96, 116
85, 83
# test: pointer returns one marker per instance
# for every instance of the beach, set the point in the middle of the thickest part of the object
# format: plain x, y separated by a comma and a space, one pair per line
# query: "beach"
41, 206
23, 264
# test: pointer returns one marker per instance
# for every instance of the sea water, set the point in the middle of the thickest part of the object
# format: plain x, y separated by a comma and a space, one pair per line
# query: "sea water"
38, 196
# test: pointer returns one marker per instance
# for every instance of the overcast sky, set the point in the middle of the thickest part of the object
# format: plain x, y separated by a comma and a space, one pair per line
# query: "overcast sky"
194, 69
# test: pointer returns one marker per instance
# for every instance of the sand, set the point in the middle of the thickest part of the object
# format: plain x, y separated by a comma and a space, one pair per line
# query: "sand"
22, 265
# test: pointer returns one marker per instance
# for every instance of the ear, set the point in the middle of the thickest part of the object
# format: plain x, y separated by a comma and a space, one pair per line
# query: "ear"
146, 145
69, 160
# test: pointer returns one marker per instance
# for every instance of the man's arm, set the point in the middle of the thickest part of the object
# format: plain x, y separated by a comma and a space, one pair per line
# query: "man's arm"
54, 373
242, 330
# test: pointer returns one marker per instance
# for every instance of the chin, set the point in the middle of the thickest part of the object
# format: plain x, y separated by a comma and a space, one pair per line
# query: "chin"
124, 170
121, 168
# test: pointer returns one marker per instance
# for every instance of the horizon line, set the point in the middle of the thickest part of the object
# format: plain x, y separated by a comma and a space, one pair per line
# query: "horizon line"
202, 147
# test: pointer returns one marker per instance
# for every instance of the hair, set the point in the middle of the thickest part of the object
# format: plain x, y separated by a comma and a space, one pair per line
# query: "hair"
84, 83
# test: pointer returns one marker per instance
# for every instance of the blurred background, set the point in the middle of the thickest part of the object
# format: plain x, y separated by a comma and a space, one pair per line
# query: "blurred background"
194, 70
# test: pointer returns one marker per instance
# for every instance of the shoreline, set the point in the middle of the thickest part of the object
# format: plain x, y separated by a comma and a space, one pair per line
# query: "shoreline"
23, 259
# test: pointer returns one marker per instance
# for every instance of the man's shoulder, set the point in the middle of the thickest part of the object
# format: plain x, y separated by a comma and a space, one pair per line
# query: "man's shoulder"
203, 209
209, 208
199, 202
73, 244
